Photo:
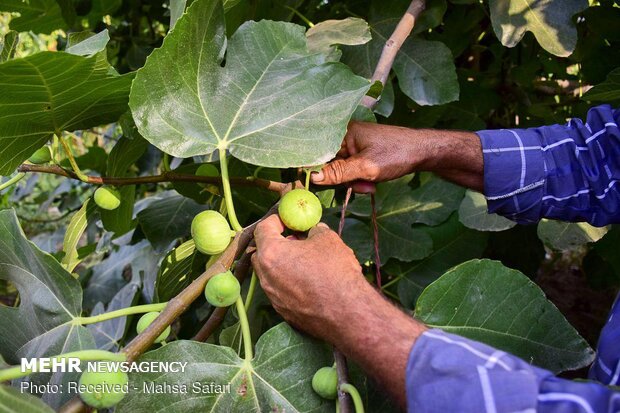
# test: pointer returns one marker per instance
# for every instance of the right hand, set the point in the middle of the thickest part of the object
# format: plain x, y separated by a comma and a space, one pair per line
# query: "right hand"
370, 152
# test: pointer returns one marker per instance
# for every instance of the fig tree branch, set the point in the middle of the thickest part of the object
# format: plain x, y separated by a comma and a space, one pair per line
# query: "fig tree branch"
170, 176
242, 268
393, 45
182, 301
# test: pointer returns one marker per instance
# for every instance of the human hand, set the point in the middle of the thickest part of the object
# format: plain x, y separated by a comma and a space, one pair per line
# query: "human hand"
370, 152
377, 153
310, 288
316, 284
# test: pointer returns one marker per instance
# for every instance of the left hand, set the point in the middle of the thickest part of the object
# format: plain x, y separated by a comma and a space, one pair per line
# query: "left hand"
310, 282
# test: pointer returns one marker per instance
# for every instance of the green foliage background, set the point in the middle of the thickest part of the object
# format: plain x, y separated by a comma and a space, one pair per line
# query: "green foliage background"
469, 65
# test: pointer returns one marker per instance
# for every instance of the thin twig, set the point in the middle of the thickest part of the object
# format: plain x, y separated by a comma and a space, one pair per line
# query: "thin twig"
342, 368
375, 233
165, 177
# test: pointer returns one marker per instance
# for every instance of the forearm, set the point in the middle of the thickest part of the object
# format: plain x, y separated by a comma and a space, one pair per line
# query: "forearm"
379, 337
454, 155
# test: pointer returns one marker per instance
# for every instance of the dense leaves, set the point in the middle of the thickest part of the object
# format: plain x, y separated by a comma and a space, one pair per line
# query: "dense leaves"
400, 207
452, 244
275, 85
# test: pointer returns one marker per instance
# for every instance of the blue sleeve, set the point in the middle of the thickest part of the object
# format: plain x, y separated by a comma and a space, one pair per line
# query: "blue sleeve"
449, 373
566, 172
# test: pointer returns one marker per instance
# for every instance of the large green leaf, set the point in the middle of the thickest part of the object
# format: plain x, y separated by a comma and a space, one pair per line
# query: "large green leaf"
196, 106
602, 264
39, 16
50, 298
168, 218
452, 244
278, 379
49, 92
549, 20
485, 301
473, 214
565, 235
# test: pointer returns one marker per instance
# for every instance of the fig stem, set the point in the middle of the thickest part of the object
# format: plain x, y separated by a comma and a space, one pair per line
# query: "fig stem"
230, 207
78, 172
12, 181
251, 289
245, 330
138, 309
16, 372
357, 400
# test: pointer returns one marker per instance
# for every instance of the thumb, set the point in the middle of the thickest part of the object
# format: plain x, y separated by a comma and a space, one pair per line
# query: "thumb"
340, 171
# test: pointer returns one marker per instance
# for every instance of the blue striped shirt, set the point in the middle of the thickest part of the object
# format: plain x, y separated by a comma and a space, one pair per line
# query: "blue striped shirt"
567, 172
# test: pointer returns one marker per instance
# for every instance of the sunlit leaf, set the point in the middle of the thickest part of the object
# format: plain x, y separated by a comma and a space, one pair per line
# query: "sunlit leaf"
549, 20
8, 45
245, 106
565, 235
49, 92
324, 36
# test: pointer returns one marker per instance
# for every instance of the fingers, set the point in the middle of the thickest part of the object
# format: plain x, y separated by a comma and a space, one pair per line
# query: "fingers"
340, 171
269, 229
364, 187
318, 229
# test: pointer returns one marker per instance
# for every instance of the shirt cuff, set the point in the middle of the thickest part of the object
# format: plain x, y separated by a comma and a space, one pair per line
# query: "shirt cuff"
514, 173
450, 373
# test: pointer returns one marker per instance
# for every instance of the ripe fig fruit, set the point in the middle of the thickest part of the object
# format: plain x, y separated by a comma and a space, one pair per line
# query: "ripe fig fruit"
146, 321
103, 389
325, 382
222, 290
41, 155
300, 210
211, 232
107, 198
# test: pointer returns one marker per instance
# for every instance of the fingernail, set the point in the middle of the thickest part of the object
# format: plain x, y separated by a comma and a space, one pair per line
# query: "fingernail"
317, 176
322, 225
